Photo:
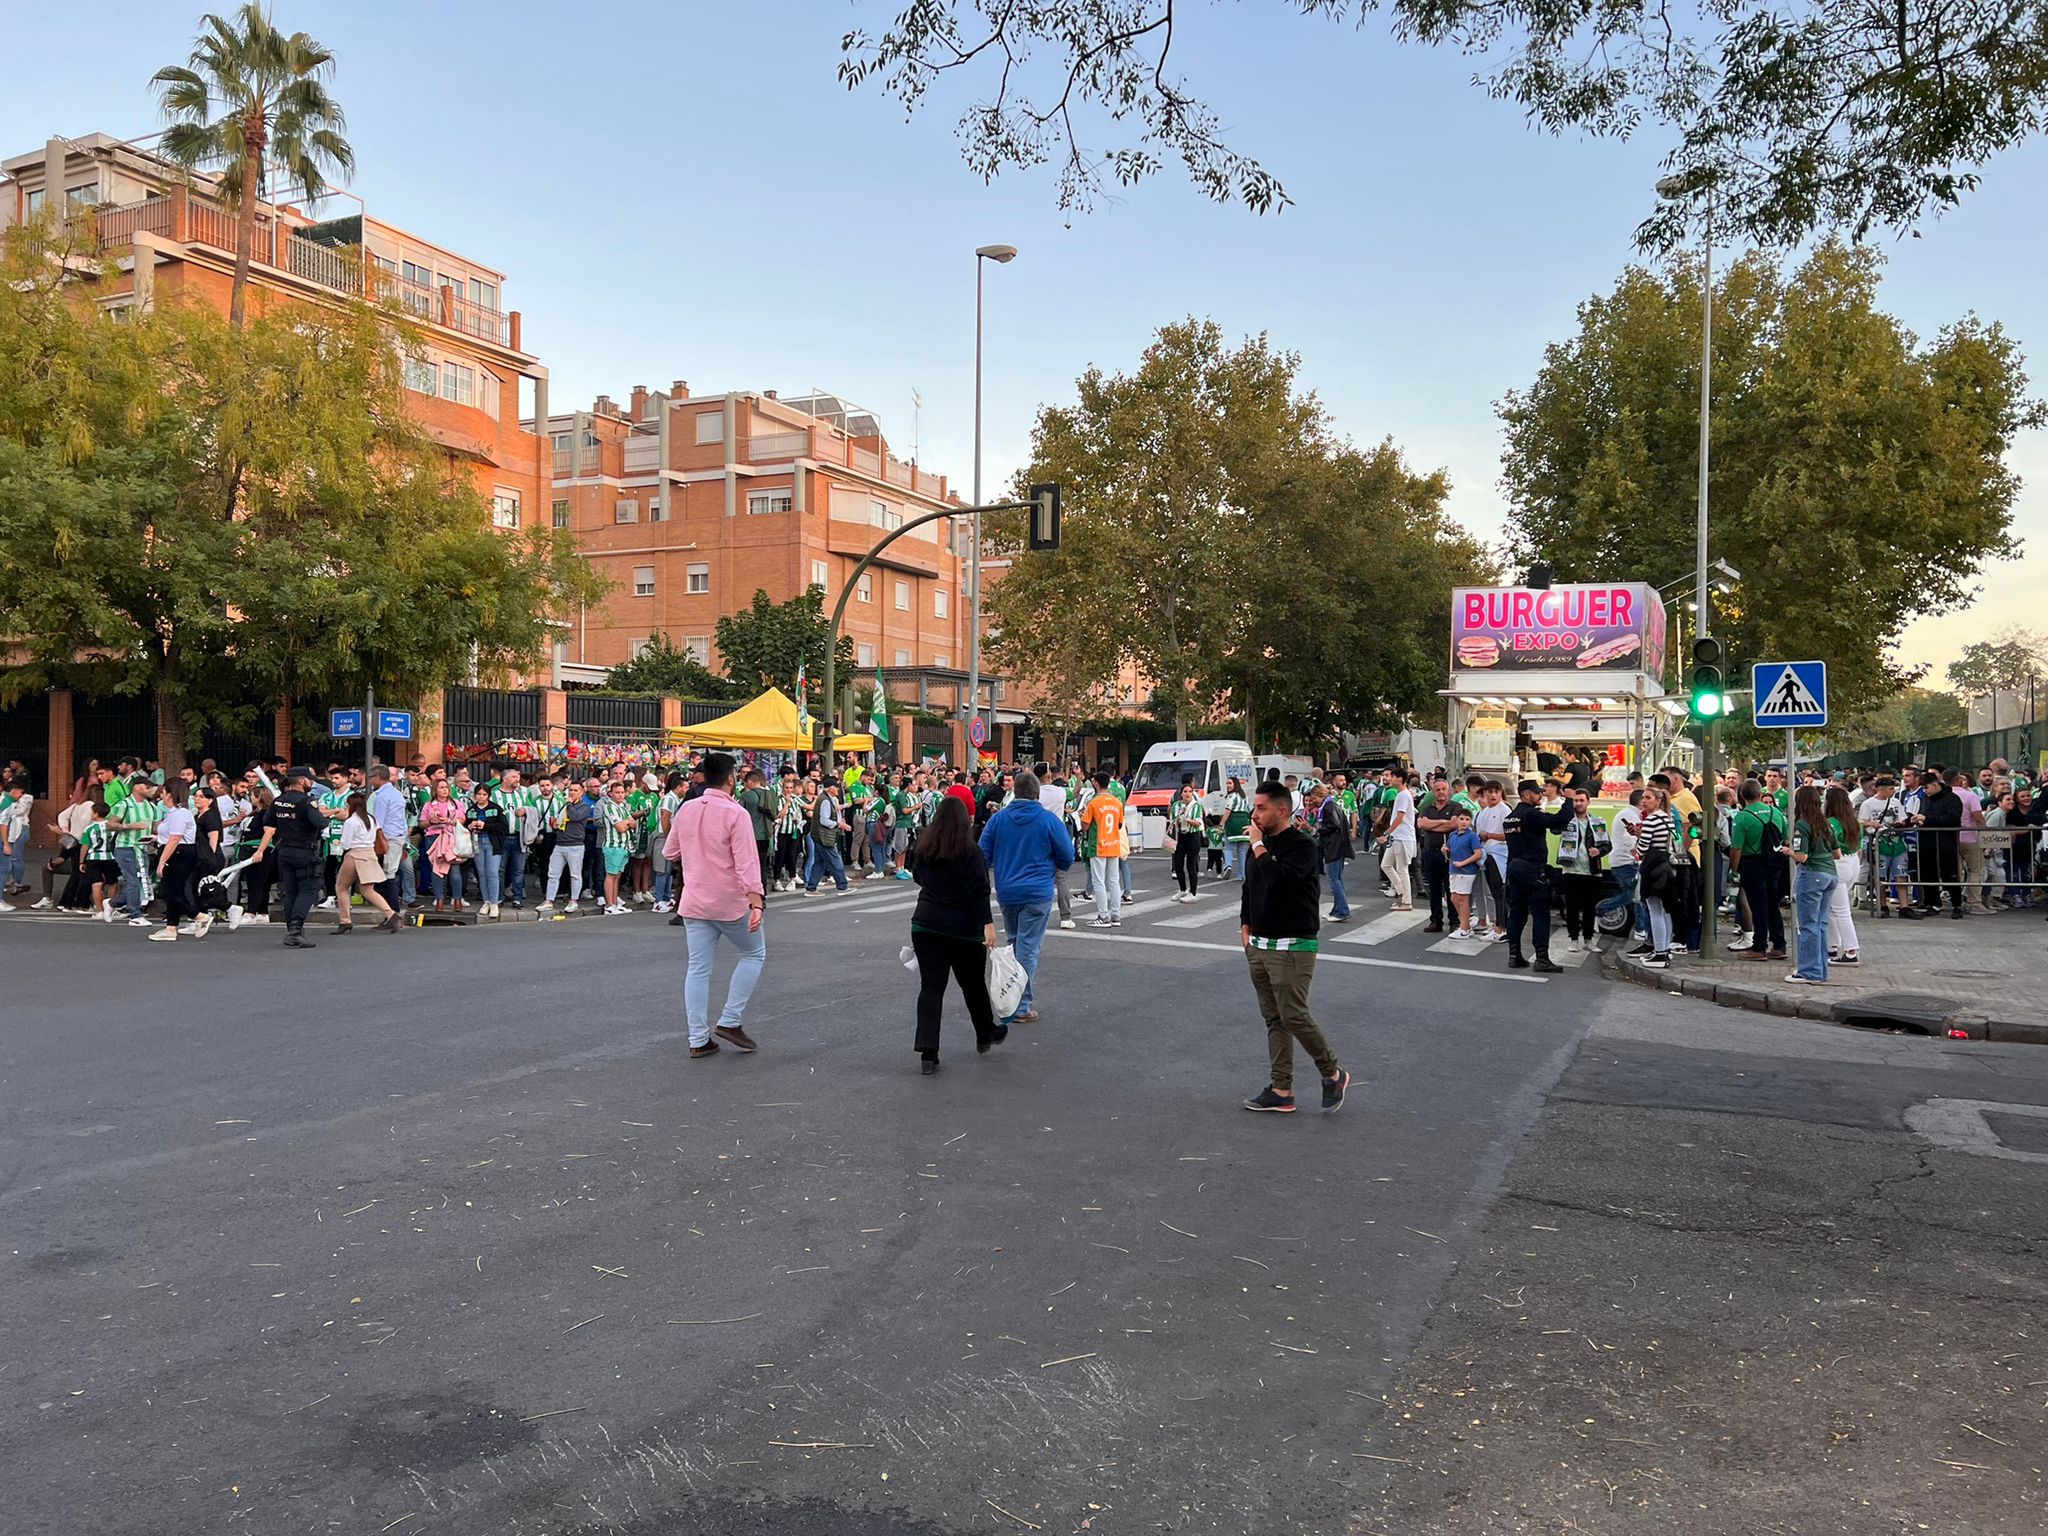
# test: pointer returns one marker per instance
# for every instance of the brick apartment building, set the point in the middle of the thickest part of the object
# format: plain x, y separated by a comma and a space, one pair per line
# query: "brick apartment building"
691, 503
168, 238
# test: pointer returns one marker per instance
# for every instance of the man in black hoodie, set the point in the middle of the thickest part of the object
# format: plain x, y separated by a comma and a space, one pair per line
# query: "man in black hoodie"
1279, 914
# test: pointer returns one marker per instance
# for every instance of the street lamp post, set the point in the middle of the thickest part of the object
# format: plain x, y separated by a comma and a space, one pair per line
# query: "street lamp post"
1001, 254
1677, 188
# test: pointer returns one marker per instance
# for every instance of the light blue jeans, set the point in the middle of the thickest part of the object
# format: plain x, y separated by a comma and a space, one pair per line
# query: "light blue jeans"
1109, 900
1024, 925
489, 866
704, 934
134, 881
1811, 891
1235, 856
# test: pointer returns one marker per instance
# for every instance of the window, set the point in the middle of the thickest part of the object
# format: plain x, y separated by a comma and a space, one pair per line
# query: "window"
760, 503
942, 602
458, 383
643, 581
626, 510
820, 576
383, 263
700, 578
710, 426
561, 514
902, 658
483, 293
87, 196
864, 589
882, 515
657, 510
699, 647
412, 272
422, 376
505, 508
903, 597
942, 660
637, 648
864, 654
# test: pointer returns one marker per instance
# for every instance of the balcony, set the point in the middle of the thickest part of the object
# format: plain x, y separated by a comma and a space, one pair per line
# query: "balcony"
773, 446
278, 247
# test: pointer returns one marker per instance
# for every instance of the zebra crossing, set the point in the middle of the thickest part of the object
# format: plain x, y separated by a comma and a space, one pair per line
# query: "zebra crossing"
1384, 937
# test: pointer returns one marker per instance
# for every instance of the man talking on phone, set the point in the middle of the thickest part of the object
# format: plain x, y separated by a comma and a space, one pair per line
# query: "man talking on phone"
1279, 912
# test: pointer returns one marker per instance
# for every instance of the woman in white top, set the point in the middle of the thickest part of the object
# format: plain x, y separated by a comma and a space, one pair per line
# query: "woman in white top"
177, 864
360, 868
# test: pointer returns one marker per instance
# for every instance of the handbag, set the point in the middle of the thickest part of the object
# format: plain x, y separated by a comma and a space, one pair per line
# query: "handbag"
1005, 976
465, 842
382, 847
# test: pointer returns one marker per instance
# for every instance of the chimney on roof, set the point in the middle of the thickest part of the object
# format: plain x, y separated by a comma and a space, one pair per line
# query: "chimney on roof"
680, 390
604, 406
639, 402
771, 394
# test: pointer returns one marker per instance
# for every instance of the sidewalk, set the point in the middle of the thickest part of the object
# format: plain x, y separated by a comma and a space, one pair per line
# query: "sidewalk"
1985, 977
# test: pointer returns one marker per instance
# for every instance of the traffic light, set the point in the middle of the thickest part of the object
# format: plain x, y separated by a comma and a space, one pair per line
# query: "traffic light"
1045, 518
1708, 701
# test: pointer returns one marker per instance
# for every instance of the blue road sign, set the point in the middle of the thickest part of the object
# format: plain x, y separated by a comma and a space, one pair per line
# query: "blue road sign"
394, 725
1790, 695
343, 724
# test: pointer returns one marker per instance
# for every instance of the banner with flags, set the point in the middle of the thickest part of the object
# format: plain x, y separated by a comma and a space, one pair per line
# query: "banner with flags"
878, 712
803, 704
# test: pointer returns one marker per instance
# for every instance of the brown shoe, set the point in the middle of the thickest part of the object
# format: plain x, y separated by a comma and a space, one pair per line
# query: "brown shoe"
708, 1048
735, 1037
1756, 954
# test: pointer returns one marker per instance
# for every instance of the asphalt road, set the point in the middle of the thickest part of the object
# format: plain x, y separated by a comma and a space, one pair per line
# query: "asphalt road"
444, 1231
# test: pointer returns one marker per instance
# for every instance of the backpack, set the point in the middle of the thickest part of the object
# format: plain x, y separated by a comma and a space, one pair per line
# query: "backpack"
1771, 839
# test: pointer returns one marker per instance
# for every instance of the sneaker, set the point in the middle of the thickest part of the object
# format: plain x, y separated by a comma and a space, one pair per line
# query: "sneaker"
544, 911
1639, 951
1337, 917
708, 1048
736, 1037
1066, 922
902, 874
43, 906
1102, 922
202, 925
1266, 1101
569, 909
1797, 980
325, 906
664, 906
1657, 961
1333, 1091
187, 928
1849, 959
1500, 936
164, 936
1517, 963
617, 909
141, 922
1191, 896
106, 913
1116, 922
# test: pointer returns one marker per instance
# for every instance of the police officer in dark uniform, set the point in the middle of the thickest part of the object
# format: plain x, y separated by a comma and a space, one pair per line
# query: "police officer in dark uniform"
296, 824
1527, 831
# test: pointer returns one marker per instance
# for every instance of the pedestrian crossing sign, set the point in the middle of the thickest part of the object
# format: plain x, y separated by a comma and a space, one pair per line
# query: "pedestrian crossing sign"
1790, 695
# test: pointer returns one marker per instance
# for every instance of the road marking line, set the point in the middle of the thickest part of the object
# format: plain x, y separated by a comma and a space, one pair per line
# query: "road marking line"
863, 903
1215, 913
1234, 949
1457, 946
1385, 927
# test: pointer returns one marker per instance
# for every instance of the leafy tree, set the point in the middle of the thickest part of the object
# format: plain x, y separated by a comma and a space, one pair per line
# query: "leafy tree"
1221, 545
250, 99
2005, 664
763, 645
1859, 476
1912, 714
242, 517
667, 668
1796, 118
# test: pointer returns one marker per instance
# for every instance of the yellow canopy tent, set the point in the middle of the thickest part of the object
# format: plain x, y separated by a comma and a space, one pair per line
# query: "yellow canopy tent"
766, 724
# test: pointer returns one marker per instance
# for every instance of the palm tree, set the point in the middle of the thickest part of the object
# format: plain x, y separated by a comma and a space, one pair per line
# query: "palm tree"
251, 90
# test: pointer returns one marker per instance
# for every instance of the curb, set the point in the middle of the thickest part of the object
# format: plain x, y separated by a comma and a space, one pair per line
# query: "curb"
1959, 1025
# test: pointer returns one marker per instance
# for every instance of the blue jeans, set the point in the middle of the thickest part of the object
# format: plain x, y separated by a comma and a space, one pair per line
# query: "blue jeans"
513, 875
704, 934
1811, 890
11, 863
408, 878
1340, 904
133, 894
489, 865
1124, 874
1235, 856
1660, 925
446, 887
664, 882
1024, 925
824, 861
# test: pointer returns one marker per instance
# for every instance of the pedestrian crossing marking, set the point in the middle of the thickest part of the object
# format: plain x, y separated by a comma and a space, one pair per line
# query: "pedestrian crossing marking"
1513, 977
1214, 913
1384, 927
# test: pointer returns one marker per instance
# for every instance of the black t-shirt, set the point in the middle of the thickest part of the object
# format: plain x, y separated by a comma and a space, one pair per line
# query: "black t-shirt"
1426, 841
208, 840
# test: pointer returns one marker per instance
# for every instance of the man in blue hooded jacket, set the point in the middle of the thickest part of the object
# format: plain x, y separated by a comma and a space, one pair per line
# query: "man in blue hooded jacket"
1025, 844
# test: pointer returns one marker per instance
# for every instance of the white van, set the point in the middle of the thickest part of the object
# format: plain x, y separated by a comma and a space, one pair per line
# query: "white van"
1212, 763
1279, 766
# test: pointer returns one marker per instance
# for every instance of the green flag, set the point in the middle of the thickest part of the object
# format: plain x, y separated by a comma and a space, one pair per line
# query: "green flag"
878, 713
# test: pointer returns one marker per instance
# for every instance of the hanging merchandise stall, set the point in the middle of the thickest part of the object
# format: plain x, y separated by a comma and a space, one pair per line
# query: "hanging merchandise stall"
1559, 671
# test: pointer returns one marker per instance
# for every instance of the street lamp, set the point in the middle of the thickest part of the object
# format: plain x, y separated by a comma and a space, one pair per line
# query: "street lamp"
1002, 254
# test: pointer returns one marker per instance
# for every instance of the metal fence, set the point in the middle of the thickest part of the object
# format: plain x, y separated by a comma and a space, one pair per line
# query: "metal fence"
25, 734
475, 717
111, 728
2015, 743
614, 712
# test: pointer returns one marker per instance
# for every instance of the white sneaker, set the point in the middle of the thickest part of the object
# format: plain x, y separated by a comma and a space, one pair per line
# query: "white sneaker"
141, 922
324, 906
617, 909
164, 936
234, 918
202, 925
106, 912
669, 906
643, 897
1066, 922
260, 917
569, 907
186, 929
43, 906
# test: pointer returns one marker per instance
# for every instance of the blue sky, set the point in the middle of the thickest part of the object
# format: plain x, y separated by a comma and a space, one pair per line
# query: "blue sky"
685, 191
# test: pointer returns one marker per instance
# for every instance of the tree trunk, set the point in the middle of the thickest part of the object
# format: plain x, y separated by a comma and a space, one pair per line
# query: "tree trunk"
245, 231
170, 723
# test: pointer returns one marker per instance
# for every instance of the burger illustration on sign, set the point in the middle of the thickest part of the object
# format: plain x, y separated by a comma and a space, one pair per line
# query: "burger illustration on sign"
1478, 651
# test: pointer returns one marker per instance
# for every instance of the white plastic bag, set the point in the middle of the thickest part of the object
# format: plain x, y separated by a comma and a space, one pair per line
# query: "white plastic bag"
1005, 980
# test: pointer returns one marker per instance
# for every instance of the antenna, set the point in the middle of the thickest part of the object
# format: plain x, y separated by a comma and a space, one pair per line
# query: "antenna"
916, 423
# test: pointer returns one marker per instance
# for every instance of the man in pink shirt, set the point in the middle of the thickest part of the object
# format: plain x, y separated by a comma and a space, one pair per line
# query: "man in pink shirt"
712, 839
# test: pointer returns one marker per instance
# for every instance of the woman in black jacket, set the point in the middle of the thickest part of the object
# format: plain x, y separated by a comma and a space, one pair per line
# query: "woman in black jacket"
952, 929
